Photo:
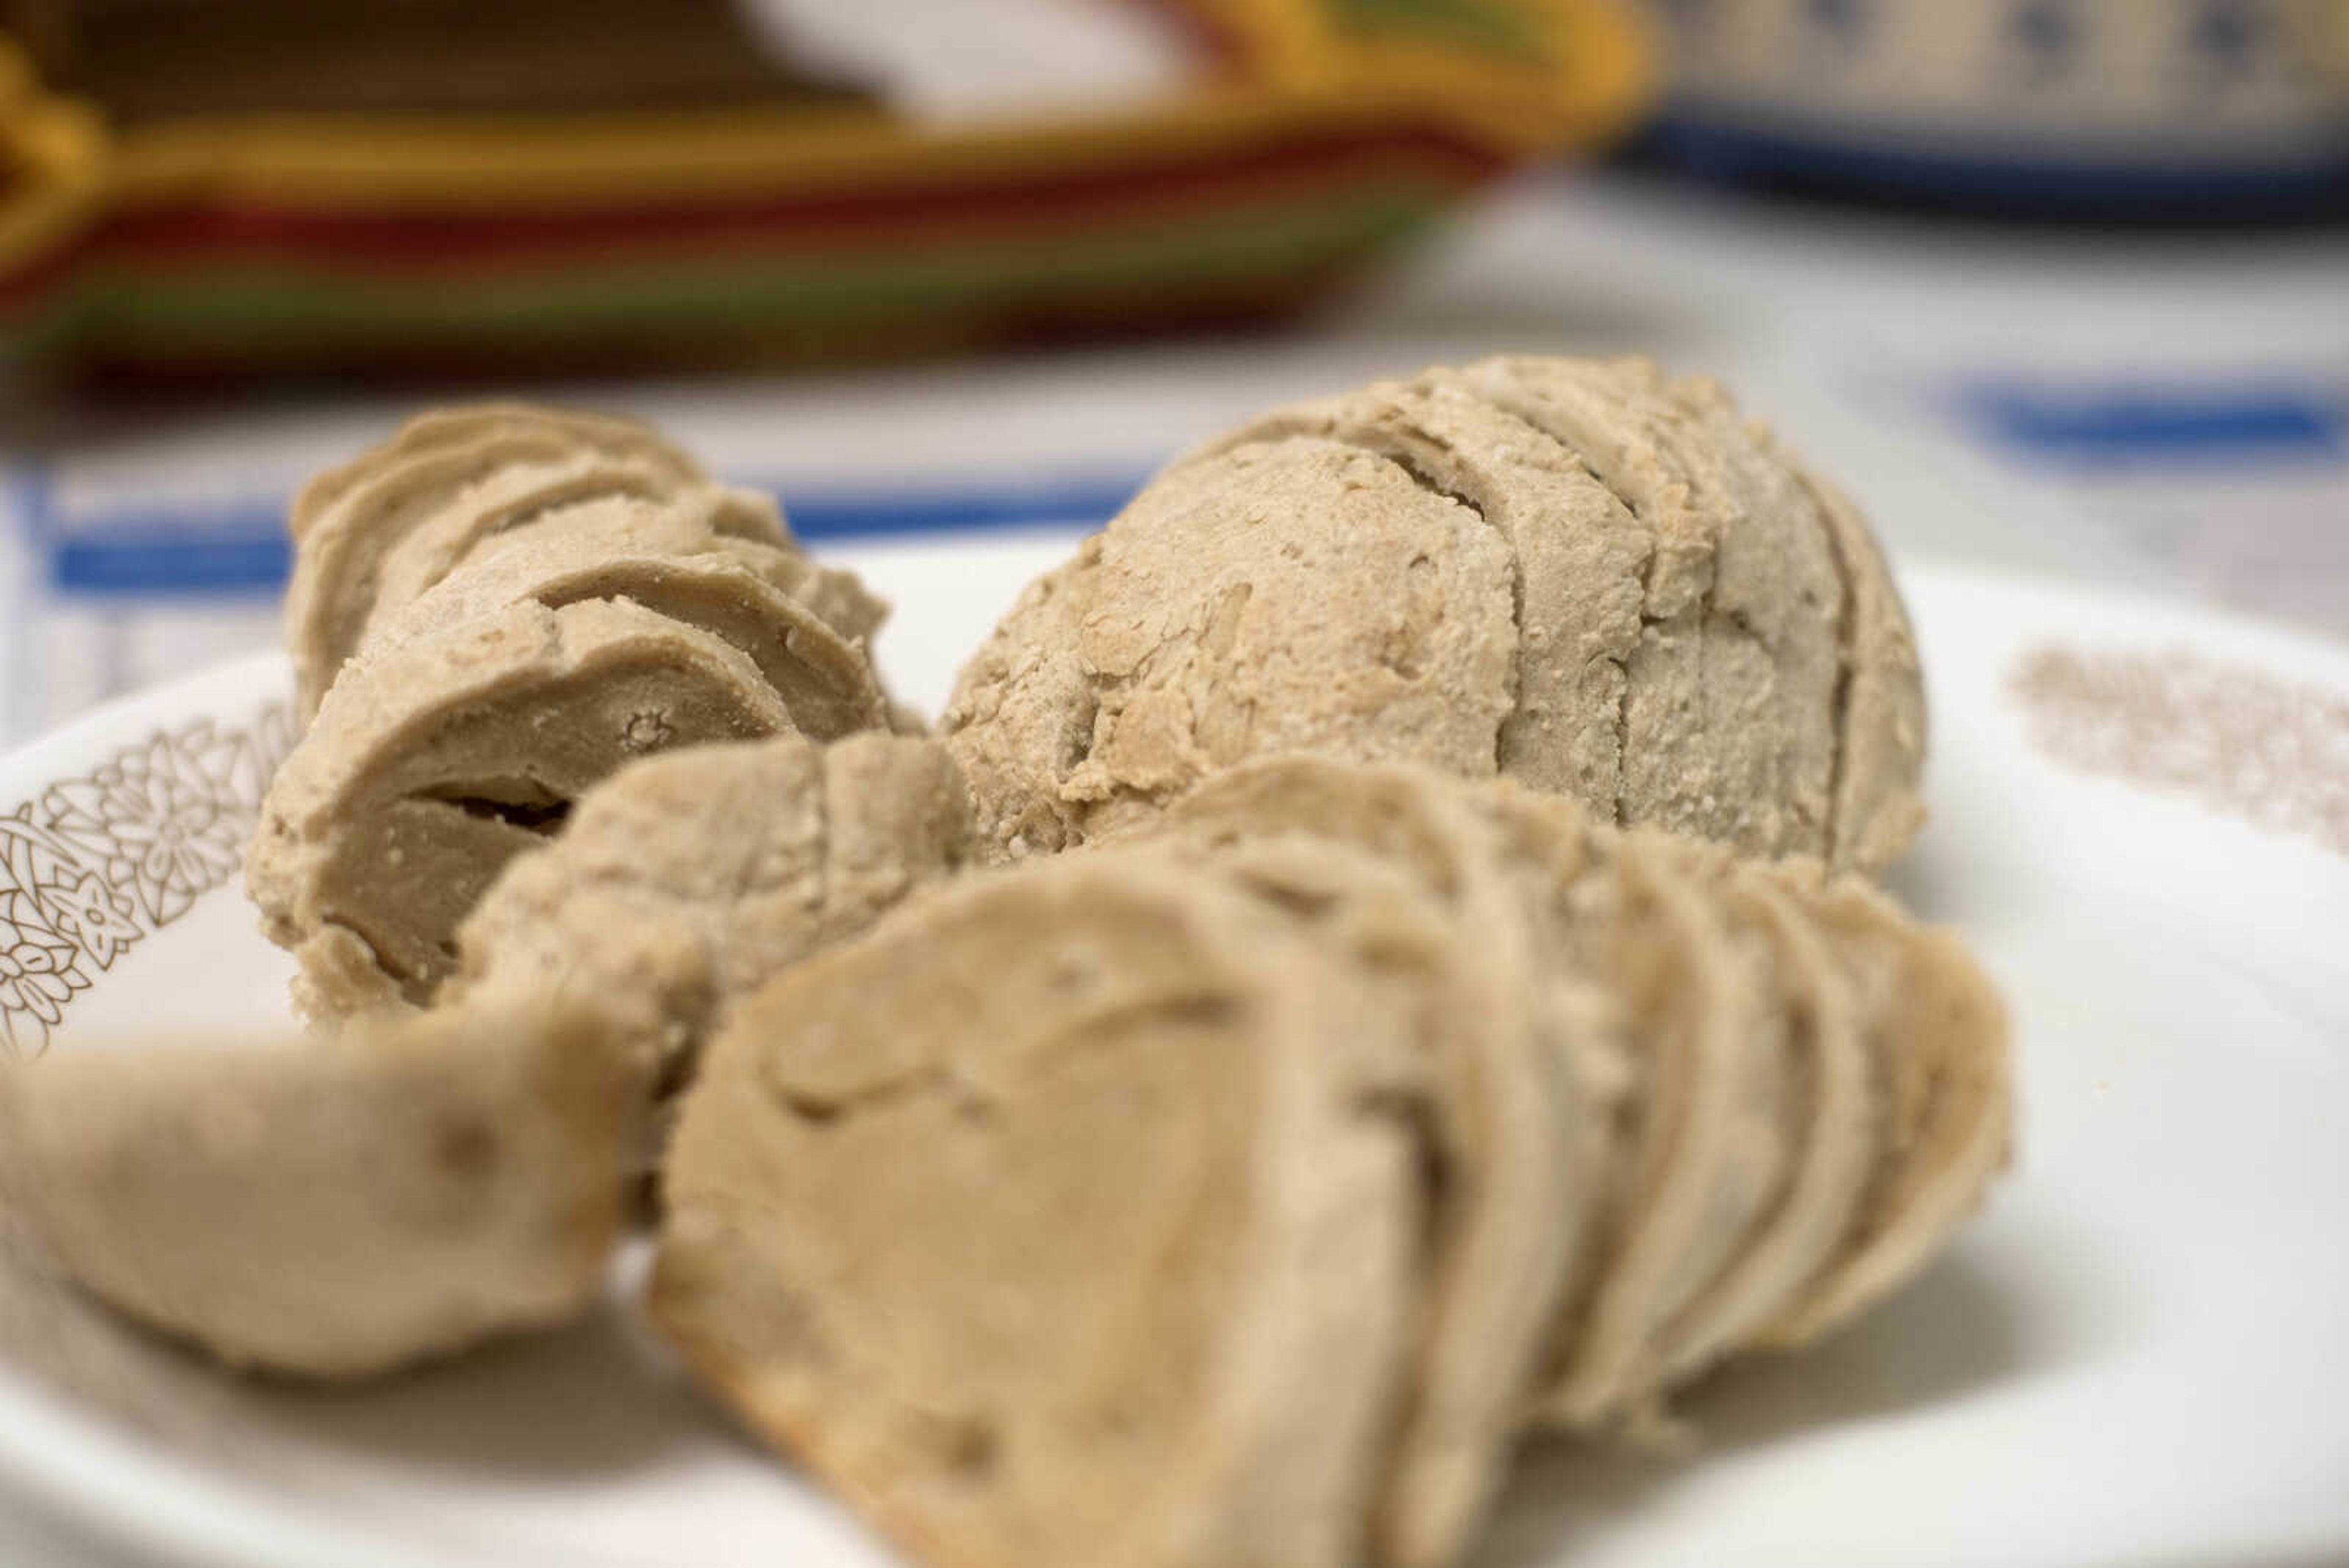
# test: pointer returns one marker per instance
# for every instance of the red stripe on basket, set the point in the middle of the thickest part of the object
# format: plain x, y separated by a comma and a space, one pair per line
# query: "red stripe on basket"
936, 213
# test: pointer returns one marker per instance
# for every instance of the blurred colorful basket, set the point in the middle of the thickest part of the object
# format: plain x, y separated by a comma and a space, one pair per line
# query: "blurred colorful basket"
1329, 129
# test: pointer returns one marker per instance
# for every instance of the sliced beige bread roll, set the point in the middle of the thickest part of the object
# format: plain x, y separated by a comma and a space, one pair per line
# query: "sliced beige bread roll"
1669, 1047
1739, 1040
1775, 657
1935, 1029
826, 681
592, 506
685, 881
1827, 1135
439, 430
495, 463
1508, 1129
1579, 574
430, 766
330, 1207
1068, 1218
1670, 1198
388, 529
1578, 558
1661, 1107
1770, 1124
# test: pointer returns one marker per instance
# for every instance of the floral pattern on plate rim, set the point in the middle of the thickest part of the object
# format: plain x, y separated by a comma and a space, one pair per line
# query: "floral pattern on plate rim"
97, 862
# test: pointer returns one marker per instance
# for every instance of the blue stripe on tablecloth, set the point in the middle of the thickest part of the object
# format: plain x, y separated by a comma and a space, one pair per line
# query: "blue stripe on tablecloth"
240, 547
2248, 425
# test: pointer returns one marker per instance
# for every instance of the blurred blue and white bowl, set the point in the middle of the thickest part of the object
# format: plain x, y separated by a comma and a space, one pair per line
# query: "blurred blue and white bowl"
2097, 105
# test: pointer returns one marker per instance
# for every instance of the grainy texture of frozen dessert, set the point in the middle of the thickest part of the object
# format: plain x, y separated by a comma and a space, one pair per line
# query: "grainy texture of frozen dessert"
1293, 595
498, 461
1811, 1145
1580, 574
827, 683
331, 1208
1935, 1029
1507, 1129
433, 765
1638, 1107
686, 881
1069, 1219
592, 508
1378, 1036
491, 612
443, 430
386, 529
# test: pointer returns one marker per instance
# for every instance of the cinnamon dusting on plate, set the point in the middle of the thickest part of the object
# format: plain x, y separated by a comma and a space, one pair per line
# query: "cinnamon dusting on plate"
2268, 751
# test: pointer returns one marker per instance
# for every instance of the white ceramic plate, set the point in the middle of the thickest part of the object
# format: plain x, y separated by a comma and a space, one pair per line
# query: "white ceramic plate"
2134, 1358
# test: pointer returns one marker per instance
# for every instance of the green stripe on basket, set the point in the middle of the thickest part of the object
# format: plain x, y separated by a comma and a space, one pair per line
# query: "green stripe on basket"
221, 302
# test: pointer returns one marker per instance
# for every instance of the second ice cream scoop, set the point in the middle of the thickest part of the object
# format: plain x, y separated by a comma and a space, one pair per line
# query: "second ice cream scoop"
1582, 575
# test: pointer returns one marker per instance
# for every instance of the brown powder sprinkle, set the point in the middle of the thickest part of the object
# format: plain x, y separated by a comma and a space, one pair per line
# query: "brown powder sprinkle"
2245, 744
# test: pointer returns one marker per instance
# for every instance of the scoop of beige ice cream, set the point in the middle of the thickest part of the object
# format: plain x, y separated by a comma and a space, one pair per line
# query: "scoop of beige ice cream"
1774, 1087
1066, 1219
1579, 574
998, 1216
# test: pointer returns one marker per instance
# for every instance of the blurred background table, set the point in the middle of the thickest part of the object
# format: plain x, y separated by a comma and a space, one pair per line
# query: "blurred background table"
2158, 409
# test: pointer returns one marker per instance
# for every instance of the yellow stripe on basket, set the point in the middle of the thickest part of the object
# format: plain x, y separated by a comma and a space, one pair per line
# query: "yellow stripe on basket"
1582, 76
599, 162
